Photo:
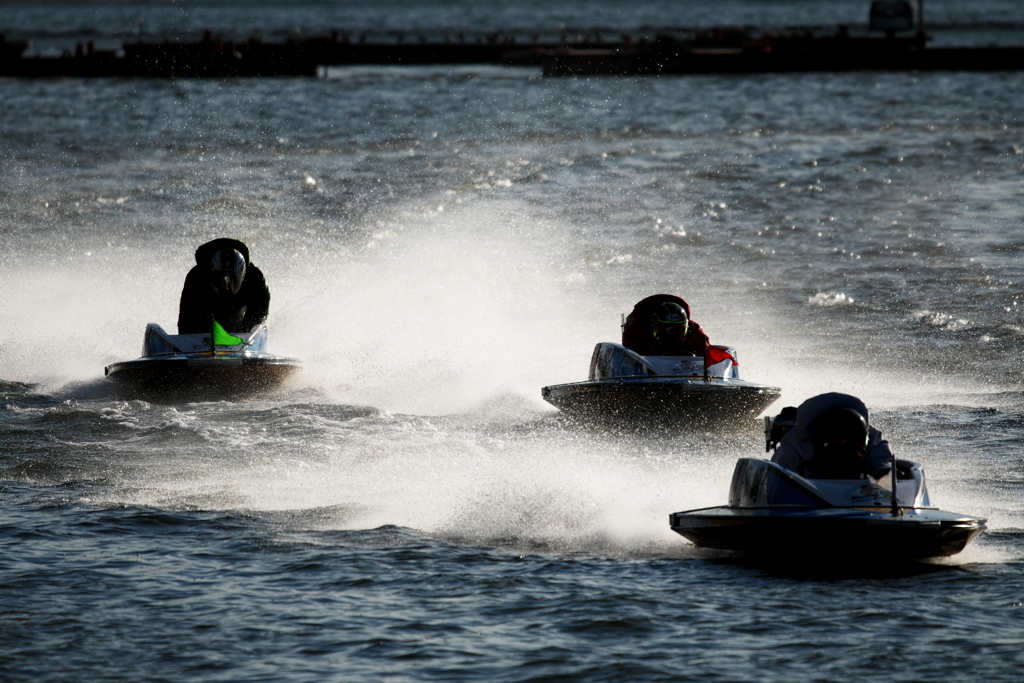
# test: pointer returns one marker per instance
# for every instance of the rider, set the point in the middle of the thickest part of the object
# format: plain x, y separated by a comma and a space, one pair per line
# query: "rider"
225, 286
660, 325
833, 439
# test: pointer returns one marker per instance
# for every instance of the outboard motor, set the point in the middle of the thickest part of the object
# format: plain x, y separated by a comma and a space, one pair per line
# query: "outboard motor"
776, 427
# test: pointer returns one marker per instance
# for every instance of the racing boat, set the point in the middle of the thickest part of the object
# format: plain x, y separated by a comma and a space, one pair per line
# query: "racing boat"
778, 514
213, 366
625, 387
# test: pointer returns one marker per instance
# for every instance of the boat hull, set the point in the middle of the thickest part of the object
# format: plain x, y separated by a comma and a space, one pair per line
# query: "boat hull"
829, 533
191, 367
198, 377
664, 400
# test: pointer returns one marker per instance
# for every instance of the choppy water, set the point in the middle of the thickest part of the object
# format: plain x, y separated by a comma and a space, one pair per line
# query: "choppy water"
440, 243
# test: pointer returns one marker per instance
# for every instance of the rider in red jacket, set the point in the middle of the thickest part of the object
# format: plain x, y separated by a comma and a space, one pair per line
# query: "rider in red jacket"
660, 325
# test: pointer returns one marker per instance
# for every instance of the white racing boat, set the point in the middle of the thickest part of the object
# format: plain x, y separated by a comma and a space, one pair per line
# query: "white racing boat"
666, 390
194, 367
778, 514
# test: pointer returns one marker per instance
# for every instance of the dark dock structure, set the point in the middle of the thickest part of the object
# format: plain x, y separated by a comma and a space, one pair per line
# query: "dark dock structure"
897, 45
779, 54
215, 57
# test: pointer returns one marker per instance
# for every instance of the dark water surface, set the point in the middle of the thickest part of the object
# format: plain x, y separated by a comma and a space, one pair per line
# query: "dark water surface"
440, 244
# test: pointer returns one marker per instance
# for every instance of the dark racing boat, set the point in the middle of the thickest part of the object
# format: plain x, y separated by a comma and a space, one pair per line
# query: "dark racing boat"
627, 388
210, 366
778, 514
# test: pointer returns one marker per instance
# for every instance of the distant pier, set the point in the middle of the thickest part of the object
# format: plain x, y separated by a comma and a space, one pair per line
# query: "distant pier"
215, 57
737, 52
712, 51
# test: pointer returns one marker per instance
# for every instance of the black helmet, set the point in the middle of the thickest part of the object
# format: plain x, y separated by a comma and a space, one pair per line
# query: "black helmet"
840, 439
669, 317
227, 271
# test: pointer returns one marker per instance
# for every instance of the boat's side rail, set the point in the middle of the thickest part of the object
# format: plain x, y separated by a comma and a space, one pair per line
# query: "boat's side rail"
614, 360
158, 343
762, 483
610, 361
